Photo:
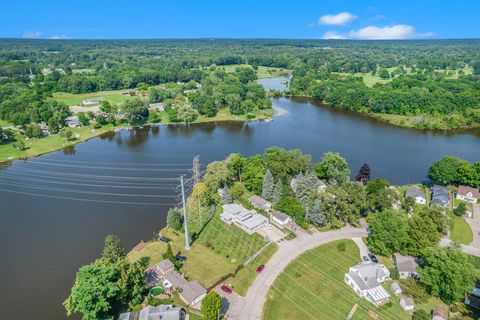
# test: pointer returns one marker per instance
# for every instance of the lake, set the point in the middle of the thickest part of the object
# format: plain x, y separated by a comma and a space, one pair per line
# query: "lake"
60, 206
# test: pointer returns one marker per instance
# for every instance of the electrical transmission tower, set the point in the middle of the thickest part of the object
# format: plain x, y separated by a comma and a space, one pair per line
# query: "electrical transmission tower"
185, 220
196, 174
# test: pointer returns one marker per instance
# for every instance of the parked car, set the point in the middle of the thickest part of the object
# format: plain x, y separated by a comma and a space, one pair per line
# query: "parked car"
164, 239
180, 258
260, 268
226, 289
372, 257
365, 259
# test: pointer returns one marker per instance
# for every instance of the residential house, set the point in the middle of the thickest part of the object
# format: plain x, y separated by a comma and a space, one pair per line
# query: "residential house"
406, 265
407, 303
469, 194
440, 196
395, 288
156, 106
439, 314
473, 299
260, 203
249, 220
72, 122
92, 101
366, 278
163, 311
419, 195
280, 219
191, 292
44, 128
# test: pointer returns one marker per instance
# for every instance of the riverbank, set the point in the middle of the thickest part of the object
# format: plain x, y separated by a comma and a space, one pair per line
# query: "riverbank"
420, 122
39, 146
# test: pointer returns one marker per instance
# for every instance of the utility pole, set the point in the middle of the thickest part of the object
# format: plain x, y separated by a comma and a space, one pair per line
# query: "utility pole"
185, 220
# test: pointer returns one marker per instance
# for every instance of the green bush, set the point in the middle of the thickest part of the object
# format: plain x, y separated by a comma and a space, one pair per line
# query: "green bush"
341, 246
394, 274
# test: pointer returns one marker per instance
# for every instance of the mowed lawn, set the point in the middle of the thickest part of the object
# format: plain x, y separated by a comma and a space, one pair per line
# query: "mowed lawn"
72, 99
262, 71
460, 231
312, 287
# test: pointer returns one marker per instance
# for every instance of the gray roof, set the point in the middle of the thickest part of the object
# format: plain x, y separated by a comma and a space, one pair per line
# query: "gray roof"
164, 266
255, 221
395, 287
405, 263
161, 312
408, 301
367, 274
189, 290
259, 202
440, 195
280, 216
415, 192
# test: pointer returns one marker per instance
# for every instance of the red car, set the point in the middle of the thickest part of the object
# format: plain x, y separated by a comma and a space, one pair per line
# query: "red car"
226, 289
260, 268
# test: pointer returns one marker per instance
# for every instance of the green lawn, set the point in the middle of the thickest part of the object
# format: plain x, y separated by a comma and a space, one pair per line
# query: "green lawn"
71, 99
460, 230
312, 287
51, 143
245, 277
4, 123
86, 70
262, 72
153, 251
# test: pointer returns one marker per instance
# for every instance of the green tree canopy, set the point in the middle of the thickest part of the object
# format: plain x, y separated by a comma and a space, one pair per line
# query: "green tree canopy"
112, 249
174, 219
388, 232
211, 306
333, 168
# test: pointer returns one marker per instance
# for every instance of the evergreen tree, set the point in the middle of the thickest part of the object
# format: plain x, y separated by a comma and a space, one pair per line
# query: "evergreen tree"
363, 175
268, 185
211, 306
226, 197
315, 213
169, 254
277, 192
174, 219
113, 250
305, 185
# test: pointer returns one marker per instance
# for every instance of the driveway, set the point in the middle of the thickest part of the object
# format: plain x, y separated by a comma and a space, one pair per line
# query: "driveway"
274, 234
474, 223
361, 246
251, 305
230, 303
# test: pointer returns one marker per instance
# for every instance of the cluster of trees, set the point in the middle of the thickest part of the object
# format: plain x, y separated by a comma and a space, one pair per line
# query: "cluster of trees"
451, 102
453, 170
107, 285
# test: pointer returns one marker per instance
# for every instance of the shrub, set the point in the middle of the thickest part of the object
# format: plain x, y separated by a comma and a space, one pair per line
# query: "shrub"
342, 246
394, 274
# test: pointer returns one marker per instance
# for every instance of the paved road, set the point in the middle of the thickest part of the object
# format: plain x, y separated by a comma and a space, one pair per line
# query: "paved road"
250, 306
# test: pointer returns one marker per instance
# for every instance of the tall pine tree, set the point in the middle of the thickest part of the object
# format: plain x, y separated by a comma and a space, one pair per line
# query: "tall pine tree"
268, 185
113, 250
277, 192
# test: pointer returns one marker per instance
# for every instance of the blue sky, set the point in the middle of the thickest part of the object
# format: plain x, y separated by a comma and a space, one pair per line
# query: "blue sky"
315, 19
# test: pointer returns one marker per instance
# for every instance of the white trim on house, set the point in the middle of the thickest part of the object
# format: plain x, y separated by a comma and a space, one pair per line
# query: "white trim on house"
248, 220
366, 278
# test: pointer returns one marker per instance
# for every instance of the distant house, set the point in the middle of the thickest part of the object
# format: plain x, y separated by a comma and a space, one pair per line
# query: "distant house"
406, 265
407, 303
46, 71
92, 101
366, 278
395, 288
164, 273
260, 203
469, 194
72, 122
156, 106
44, 128
440, 196
163, 311
439, 314
249, 220
281, 219
419, 195
321, 186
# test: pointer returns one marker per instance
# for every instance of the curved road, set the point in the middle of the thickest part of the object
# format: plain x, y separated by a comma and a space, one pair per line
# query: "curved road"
250, 306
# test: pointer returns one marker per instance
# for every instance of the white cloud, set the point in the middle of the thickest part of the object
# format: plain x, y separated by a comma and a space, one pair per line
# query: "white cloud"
340, 19
333, 35
59, 37
395, 32
32, 34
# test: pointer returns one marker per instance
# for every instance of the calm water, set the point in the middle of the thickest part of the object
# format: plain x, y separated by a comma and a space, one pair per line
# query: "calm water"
64, 203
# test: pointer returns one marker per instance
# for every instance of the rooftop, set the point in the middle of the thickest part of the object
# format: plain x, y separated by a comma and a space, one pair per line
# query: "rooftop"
280, 216
464, 190
415, 192
405, 263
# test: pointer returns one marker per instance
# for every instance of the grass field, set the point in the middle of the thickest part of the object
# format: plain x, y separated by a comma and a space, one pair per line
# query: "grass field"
4, 123
460, 230
86, 70
72, 99
262, 72
51, 143
313, 283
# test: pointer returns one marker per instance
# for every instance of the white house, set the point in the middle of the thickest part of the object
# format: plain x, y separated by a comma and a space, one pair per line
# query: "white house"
92, 101
249, 220
162, 311
72, 122
366, 278
281, 219
407, 303
419, 195
406, 265
468, 194
395, 288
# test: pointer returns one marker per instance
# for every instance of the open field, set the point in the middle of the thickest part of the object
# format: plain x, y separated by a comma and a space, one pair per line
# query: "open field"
262, 72
35, 147
313, 283
72, 99
460, 230
86, 70
4, 123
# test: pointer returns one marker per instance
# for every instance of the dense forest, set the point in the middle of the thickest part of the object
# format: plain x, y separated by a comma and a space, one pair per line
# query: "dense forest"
428, 84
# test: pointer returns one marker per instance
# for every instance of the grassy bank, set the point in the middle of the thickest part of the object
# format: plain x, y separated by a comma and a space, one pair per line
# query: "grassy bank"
313, 283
